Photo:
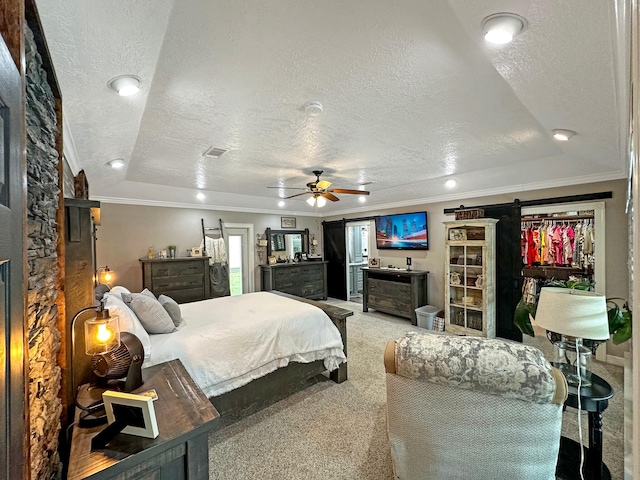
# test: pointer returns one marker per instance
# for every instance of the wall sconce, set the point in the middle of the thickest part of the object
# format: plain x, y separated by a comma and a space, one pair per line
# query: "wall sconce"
104, 275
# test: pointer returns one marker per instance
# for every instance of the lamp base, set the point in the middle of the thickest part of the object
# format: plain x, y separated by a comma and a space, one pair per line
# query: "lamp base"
574, 361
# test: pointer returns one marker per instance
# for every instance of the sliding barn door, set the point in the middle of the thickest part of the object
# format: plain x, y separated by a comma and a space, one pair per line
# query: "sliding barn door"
335, 252
14, 456
508, 267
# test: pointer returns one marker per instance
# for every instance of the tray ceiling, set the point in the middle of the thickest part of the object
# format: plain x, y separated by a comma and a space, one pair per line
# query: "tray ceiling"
412, 95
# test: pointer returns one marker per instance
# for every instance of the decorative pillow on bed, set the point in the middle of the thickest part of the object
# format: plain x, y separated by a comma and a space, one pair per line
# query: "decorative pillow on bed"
148, 293
118, 291
152, 315
127, 320
172, 308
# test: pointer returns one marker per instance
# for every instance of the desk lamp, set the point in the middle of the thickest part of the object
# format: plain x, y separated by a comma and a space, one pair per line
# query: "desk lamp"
114, 355
575, 315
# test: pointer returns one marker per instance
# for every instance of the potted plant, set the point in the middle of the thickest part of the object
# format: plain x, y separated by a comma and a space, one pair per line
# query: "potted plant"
620, 317
172, 251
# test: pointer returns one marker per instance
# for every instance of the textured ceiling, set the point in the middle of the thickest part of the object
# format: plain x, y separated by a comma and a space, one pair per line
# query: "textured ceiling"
412, 96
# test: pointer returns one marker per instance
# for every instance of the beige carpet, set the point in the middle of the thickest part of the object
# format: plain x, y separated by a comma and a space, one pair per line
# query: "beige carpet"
331, 431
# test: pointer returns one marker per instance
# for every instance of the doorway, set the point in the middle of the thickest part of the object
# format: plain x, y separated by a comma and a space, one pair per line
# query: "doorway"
240, 253
357, 247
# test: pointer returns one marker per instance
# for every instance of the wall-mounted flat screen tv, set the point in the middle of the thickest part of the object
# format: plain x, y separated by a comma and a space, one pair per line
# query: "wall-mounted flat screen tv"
404, 231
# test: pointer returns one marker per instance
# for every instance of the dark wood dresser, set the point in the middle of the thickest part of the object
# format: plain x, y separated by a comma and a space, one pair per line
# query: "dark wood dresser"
398, 292
303, 279
185, 417
185, 279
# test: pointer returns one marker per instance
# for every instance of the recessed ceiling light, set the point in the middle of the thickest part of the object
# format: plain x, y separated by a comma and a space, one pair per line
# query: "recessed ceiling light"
500, 28
450, 183
117, 163
125, 85
201, 196
563, 135
281, 203
313, 108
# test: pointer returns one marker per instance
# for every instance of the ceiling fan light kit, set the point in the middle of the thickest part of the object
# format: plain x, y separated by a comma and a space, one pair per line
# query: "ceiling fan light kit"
321, 192
125, 85
500, 28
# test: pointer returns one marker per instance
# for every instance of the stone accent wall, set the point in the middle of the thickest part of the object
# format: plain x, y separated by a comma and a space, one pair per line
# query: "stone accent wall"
45, 407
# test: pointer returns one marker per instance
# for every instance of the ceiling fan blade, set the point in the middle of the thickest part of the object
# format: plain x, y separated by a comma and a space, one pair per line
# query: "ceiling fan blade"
352, 192
331, 197
296, 195
323, 184
290, 188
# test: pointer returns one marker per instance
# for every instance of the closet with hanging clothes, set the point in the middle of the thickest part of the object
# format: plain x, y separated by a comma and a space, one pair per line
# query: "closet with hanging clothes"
213, 245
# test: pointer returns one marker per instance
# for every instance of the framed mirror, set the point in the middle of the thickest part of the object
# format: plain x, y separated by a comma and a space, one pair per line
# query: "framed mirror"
286, 243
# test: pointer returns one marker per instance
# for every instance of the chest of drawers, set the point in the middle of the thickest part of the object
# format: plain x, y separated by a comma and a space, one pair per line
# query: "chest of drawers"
304, 279
183, 279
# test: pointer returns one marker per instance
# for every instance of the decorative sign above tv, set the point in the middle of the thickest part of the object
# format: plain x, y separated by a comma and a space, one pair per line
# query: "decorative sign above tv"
402, 231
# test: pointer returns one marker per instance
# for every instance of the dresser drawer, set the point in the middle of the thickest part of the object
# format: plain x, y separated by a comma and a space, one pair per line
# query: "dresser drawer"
185, 295
177, 282
178, 268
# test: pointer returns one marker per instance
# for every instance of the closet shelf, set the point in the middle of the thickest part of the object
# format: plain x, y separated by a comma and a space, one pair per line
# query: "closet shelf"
558, 273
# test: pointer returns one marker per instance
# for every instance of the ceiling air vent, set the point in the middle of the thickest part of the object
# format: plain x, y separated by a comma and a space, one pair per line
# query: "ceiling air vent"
214, 152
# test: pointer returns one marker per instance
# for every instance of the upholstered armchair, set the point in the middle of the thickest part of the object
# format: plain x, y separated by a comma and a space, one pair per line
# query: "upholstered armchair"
472, 408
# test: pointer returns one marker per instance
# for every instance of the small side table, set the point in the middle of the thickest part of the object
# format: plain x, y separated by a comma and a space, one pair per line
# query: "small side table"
185, 417
594, 400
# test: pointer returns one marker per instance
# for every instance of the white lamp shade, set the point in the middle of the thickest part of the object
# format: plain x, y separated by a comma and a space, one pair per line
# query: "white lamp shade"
321, 202
311, 201
574, 313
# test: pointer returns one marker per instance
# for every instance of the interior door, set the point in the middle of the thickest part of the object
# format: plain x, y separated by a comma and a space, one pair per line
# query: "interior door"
508, 267
335, 253
14, 455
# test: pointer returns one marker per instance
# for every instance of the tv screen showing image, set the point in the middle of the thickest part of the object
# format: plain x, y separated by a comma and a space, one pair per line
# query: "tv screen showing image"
404, 231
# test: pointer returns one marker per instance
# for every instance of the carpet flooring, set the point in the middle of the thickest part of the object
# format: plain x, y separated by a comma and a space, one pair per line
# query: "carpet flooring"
331, 431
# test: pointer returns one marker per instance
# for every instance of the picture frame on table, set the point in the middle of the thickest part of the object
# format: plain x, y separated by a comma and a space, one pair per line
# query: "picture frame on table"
304, 256
135, 410
272, 260
287, 222
457, 234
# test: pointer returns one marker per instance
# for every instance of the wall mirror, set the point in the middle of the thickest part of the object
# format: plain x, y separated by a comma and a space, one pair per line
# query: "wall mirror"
286, 243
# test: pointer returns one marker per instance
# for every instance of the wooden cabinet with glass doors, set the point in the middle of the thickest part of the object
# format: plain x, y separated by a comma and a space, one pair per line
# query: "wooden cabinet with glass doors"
470, 266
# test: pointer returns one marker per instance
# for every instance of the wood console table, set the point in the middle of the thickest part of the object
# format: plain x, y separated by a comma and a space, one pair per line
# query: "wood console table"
185, 417
395, 291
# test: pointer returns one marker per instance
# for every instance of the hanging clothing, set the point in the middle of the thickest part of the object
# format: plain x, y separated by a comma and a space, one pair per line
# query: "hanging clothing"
216, 250
219, 280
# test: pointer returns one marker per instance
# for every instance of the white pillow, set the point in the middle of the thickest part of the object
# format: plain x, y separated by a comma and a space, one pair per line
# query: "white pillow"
118, 291
152, 315
127, 321
172, 308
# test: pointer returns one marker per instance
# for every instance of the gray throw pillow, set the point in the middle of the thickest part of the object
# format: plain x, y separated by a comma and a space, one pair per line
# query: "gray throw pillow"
172, 308
152, 315
148, 293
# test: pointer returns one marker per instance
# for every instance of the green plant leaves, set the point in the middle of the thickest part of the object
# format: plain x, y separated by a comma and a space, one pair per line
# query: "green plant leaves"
521, 317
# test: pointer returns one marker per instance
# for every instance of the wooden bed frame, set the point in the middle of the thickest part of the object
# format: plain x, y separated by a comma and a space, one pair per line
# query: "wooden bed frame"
280, 382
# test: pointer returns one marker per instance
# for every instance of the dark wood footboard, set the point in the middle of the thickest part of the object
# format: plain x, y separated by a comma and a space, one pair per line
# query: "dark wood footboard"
281, 381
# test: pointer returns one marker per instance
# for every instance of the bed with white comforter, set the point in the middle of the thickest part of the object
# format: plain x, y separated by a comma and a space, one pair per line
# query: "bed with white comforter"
224, 343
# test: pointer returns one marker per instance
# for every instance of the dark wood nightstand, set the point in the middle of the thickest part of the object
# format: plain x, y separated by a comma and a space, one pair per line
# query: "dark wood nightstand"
185, 417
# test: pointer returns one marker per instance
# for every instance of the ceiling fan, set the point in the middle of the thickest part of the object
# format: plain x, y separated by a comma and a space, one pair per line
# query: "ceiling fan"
320, 190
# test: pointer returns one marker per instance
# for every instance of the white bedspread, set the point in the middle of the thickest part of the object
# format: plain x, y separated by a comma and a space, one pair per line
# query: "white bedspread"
226, 342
